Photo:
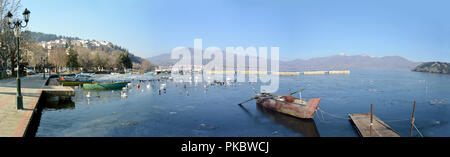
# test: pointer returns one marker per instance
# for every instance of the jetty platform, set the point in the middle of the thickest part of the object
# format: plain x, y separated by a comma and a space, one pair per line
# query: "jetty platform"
13, 122
379, 128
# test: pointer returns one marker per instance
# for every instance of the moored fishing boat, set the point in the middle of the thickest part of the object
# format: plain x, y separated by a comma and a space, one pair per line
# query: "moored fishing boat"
73, 81
290, 105
103, 86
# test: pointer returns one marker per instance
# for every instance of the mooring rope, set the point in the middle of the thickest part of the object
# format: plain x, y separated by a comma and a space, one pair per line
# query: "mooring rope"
322, 112
317, 114
346, 118
417, 130
332, 115
400, 120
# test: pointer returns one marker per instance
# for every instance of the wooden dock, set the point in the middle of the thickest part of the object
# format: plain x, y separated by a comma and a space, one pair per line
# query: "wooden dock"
379, 128
13, 122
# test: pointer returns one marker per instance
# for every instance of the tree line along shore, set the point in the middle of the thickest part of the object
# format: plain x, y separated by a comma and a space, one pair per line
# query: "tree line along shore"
67, 57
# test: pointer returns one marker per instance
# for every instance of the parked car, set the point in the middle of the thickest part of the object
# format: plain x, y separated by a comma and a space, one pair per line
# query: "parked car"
31, 72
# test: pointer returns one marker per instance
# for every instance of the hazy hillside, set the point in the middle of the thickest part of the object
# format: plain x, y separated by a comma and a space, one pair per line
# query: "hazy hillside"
165, 59
323, 63
162, 60
38, 36
434, 67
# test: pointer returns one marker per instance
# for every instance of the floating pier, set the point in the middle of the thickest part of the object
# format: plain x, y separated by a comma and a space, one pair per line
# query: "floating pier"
220, 72
362, 122
287, 73
254, 72
13, 122
314, 72
343, 72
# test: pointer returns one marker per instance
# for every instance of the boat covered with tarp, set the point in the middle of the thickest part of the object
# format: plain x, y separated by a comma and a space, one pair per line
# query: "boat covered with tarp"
289, 105
104, 86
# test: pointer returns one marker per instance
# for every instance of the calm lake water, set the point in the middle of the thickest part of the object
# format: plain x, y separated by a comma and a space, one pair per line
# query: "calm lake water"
196, 112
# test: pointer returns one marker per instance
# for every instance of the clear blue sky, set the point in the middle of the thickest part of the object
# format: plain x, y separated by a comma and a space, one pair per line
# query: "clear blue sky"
417, 30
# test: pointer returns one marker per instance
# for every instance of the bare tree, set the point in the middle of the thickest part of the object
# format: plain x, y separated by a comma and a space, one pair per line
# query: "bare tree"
84, 57
111, 64
34, 53
145, 66
9, 5
100, 60
58, 57
7, 39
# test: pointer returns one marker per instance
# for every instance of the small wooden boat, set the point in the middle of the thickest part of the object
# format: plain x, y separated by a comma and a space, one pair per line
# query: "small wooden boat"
73, 82
290, 105
103, 86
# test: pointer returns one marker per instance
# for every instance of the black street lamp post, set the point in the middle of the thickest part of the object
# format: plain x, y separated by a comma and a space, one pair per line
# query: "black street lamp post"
16, 25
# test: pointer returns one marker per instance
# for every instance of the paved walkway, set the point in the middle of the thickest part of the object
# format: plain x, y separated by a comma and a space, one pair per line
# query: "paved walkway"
13, 122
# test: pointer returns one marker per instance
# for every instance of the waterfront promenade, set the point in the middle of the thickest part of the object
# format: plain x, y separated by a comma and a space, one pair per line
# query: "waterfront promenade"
13, 122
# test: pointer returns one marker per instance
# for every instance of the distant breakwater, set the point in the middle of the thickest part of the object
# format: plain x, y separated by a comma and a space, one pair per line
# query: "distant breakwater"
344, 72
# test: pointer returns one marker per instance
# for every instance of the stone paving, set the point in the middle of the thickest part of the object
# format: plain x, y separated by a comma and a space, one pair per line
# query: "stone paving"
13, 122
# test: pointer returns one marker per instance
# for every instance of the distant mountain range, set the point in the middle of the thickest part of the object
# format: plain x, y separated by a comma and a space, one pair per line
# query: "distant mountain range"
162, 60
337, 62
334, 62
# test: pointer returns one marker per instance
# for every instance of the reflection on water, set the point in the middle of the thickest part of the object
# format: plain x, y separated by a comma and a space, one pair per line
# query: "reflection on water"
305, 127
59, 105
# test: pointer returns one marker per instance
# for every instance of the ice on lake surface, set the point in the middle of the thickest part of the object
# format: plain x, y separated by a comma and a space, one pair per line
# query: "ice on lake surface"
202, 110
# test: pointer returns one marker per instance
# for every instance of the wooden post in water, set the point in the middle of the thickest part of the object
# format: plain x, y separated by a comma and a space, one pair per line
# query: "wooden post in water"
412, 119
371, 119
